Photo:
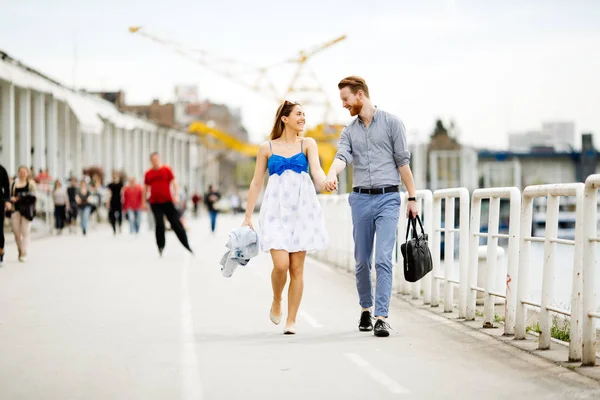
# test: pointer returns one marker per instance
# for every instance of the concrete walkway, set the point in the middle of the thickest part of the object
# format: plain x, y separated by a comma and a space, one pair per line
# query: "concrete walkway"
103, 317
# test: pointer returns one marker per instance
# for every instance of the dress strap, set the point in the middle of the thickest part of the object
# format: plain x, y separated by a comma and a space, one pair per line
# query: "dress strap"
301, 150
271, 146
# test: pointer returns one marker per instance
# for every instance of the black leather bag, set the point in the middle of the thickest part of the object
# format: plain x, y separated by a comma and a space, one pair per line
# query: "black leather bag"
417, 257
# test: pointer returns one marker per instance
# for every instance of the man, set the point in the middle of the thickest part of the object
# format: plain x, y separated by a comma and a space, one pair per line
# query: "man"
159, 179
210, 198
5, 196
114, 202
376, 143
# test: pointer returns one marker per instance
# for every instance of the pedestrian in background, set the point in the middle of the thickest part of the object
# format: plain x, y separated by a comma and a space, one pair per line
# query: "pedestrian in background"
210, 199
61, 205
132, 204
160, 181
6, 206
23, 198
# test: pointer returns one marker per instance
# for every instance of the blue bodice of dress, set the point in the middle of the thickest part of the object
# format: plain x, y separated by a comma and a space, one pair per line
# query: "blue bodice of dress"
278, 164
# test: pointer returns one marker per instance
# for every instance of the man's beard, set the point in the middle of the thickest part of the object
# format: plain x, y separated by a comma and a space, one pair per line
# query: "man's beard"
357, 108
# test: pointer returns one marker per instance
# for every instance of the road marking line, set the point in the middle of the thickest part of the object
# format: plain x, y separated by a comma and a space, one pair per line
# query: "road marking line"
322, 266
191, 386
311, 321
261, 276
376, 374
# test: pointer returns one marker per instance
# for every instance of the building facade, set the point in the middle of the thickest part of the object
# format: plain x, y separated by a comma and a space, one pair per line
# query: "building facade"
46, 125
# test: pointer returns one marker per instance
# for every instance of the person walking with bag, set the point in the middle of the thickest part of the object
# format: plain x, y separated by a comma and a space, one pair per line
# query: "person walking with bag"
291, 221
375, 143
23, 200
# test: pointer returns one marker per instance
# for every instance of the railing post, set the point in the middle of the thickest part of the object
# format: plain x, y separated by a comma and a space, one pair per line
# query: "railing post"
464, 252
448, 254
473, 257
512, 272
523, 282
575, 345
492, 261
428, 213
589, 269
435, 285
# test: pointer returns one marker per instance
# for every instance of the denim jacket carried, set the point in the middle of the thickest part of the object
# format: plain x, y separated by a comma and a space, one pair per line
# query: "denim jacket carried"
242, 245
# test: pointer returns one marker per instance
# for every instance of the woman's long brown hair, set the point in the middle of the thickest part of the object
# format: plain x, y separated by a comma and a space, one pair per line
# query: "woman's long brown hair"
284, 110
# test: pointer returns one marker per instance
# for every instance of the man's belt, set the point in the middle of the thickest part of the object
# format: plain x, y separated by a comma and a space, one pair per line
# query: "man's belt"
388, 189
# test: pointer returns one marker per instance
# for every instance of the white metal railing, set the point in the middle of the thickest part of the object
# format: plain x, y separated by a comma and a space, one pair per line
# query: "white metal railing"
326, 202
425, 205
553, 193
449, 195
494, 195
592, 184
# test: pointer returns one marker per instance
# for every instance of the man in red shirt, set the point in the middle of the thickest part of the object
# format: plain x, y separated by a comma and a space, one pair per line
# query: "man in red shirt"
132, 204
159, 179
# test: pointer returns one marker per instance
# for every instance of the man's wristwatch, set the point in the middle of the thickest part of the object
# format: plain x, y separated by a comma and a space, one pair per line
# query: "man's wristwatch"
412, 199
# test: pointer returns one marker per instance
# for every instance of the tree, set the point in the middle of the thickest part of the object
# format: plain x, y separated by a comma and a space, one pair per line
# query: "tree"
439, 130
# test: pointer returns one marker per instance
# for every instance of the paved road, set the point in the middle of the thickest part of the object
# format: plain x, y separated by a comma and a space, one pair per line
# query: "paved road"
105, 318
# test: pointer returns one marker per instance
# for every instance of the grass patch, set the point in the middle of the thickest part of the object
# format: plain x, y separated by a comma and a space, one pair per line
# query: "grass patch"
498, 318
478, 313
560, 330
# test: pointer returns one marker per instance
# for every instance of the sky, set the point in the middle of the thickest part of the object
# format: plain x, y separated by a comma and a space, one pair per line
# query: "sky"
491, 67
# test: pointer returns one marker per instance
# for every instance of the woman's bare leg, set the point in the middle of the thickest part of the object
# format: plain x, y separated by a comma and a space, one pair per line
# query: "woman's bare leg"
296, 288
281, 265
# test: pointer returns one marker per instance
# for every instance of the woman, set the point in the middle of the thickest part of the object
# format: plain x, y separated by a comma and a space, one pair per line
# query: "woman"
84, 204
61, 205
290, 218
23, 198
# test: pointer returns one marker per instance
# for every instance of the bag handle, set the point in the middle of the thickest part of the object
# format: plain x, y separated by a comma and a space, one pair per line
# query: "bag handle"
420, 224
411, 220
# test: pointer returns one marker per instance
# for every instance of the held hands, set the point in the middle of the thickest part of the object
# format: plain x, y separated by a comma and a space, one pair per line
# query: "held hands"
331, 183
7, 206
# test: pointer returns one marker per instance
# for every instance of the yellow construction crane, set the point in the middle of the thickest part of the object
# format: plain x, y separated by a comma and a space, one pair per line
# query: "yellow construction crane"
258, 80
327, 150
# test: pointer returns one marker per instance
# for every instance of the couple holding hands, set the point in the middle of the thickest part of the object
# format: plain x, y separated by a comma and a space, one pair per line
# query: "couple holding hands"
291, 221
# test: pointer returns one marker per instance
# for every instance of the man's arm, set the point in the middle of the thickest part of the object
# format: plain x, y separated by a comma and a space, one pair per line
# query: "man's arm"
402, 159
144, 195
175, 190
342, 158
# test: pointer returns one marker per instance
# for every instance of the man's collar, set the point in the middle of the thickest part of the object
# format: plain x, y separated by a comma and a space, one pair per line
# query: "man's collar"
373, 118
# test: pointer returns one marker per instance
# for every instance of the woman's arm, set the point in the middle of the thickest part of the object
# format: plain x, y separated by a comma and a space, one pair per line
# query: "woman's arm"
312, 152
257, 182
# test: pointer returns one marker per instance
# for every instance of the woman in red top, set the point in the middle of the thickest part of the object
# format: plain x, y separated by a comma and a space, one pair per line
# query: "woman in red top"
159, 179
132, 204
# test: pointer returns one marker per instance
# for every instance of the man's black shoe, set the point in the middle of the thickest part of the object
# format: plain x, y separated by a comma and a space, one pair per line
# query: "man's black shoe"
382, 328
365, 324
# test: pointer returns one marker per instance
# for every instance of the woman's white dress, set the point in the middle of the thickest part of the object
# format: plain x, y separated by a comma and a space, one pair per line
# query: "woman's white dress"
290, 215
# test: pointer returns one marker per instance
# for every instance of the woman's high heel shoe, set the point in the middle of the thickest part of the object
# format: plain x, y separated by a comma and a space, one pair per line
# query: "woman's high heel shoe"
289, 330
276, 319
